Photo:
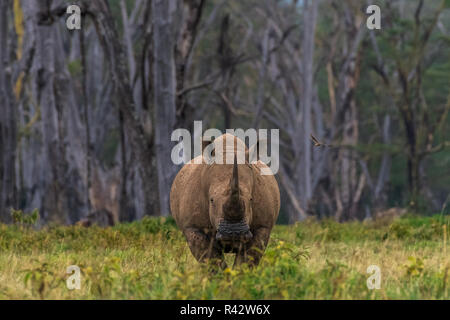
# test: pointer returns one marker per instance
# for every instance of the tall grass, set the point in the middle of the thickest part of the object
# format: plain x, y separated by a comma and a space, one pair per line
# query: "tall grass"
150, 260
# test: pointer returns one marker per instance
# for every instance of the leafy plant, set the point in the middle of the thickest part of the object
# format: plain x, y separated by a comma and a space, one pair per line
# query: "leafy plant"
23, 219
41, 279
414, 267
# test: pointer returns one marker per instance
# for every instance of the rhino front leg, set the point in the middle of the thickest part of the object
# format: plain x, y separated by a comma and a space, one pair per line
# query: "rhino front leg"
204, 247
252, 252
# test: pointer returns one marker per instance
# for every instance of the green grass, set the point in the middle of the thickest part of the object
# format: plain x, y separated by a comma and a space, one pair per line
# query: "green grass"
150, 260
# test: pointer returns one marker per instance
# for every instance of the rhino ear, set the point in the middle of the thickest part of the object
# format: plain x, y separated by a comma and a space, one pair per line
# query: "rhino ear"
252, 153
205, 143
208, 145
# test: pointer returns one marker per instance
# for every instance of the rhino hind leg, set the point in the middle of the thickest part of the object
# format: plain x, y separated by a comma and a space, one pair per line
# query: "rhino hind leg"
204, 247
252, 252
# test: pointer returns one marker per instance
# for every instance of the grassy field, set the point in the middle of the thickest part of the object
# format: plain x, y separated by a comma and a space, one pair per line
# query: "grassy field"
150, 260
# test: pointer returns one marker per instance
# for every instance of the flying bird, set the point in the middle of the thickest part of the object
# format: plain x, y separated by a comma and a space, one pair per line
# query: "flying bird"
317, 143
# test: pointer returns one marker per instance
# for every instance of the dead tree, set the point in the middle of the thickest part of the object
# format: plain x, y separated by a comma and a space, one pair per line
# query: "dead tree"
8, 129
404, 83
164, 73
114, 52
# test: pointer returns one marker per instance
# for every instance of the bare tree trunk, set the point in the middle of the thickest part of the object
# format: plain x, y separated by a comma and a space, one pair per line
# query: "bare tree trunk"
413, 155
347, 156
310, 18
140, 16
385, 168
86, 119
163, 12
191, 14
260, 94
8, 130
346, 116
225, 60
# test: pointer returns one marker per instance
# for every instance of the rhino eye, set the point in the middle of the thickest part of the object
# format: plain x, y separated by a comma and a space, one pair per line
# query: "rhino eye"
211, 200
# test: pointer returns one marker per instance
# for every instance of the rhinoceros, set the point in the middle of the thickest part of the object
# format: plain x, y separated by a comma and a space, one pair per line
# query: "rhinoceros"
223, 208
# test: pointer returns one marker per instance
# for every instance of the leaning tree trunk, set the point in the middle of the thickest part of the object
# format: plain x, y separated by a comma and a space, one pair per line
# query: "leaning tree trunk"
115, 53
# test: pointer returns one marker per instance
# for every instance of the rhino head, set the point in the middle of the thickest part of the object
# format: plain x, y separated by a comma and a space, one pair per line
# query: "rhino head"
230, 202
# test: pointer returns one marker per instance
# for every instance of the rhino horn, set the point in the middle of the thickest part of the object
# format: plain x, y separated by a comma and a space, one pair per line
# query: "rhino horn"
235, 181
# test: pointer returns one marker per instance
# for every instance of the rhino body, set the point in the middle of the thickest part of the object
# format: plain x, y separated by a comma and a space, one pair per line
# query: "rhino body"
224, 208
